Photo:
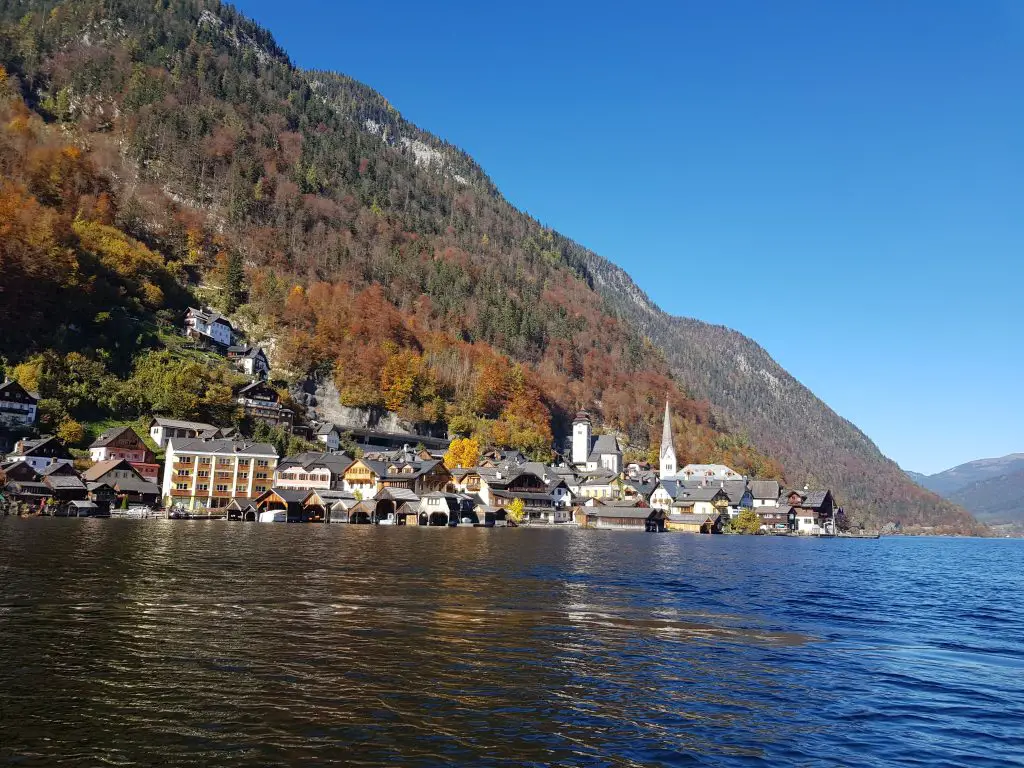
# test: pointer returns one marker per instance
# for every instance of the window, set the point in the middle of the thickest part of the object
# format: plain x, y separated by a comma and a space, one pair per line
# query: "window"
185, 459
221, 488
184, 472
261, 475
262, 463
243, 475
181, 486
203, 487
259, 489
202, 473
240, 489
204, 459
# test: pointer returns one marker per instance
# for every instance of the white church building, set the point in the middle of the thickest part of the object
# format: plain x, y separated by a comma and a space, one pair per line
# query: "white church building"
594, 453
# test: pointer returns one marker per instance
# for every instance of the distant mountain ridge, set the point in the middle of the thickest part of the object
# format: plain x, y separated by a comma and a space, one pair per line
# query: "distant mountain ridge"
992, 489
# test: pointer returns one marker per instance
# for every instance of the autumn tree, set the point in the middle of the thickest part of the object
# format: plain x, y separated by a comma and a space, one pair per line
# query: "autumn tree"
746, 522
462, 452
516, 511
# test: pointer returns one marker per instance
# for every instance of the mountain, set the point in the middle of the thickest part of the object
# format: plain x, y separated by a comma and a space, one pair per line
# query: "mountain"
991, 489
949, 481
381, 256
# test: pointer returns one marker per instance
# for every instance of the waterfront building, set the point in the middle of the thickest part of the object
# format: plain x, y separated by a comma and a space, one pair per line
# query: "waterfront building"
125, 479
594, 453
210, 473
312, 471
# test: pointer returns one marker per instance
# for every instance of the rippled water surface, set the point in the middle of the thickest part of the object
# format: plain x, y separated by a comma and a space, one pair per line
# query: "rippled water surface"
208, 644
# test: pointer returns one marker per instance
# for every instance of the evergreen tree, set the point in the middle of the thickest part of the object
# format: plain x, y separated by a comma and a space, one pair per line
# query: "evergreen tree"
233, 287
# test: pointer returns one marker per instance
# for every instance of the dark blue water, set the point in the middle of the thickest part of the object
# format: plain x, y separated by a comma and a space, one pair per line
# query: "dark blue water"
180, 643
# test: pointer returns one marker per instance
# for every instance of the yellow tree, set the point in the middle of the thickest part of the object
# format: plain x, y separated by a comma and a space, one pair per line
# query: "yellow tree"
747, 522
516, 511
463, 452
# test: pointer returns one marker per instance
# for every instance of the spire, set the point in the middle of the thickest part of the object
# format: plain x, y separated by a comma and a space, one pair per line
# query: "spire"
667, 462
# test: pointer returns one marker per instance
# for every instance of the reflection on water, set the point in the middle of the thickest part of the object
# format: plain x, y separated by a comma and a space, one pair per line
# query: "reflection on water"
192, 643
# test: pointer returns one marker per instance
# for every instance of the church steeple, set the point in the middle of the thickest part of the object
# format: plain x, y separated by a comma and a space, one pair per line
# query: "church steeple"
667, 463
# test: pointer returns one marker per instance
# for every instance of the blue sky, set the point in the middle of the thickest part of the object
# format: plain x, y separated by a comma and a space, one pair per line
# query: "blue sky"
843, 182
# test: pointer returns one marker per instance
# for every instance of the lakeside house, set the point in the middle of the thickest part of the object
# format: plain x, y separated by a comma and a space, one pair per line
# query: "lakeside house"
211, 473
312, 471
125, 479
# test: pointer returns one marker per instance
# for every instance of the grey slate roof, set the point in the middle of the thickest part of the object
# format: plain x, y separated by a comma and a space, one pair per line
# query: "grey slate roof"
697, 494
195, 445
735, 489
604, 444
337, 463
292, 495
690, 517
397, 494
65, 482
631, 512
765, 489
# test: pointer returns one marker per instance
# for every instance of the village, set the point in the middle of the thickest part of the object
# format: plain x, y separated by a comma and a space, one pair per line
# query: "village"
403, 479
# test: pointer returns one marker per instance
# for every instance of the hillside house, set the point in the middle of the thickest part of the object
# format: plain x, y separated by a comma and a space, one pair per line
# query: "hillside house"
41, 453
207, 325
329, 435
210, 473
125, 443
261, 402
18, 406
250, 360
161, 430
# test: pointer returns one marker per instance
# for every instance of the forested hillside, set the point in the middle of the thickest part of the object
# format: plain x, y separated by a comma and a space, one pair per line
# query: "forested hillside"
369, 250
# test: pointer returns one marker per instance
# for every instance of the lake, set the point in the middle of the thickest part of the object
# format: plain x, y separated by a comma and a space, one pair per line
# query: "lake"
136, 643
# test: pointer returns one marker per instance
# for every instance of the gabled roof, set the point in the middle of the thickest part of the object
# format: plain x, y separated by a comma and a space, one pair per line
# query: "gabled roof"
137, 485
64, 482
690, 517
35, 447
258, 385
604, 445
10, 387
705, 493
209, 316
735, 490
337, 463
101, 468
765, 489
326, 428
62, 468
111, 435
396, 494
639, 513
290, 495
19, 465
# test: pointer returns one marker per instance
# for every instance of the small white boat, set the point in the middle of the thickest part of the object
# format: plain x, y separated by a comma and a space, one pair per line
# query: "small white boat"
274, 516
